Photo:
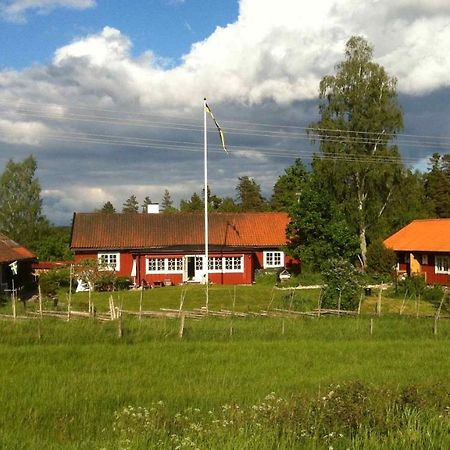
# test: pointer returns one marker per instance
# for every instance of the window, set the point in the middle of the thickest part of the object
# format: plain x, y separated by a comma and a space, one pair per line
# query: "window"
442, 264
174, 264
233, 263
225, 264
273, 259
199, 263
109, 261
155, 265
425, 260
215, 264
164, 265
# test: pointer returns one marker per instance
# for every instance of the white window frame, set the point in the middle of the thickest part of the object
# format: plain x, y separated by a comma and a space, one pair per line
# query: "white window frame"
165, 265
102, 265
178, 264
425, 259
215, 264
237, 263
269, 258
440, 261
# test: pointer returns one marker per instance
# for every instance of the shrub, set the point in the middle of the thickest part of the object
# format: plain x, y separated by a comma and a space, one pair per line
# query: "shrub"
433, 293
380, 260
52, 280
343, 285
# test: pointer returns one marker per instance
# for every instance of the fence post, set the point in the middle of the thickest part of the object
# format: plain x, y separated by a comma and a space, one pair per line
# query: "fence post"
380, 292
40, 299
371, 326
141, 297
13, 300
438, 313
181, 331
120, 326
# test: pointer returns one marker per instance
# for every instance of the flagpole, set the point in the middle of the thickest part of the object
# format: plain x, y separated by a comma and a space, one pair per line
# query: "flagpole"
205, 138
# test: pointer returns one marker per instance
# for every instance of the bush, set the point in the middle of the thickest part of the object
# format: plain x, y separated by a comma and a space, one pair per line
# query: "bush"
344, 285
380, 260
433, 293
414, 285
109, 281
53, 280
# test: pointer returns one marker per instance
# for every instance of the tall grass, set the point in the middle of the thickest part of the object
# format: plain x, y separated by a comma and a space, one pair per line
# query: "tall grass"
62, 382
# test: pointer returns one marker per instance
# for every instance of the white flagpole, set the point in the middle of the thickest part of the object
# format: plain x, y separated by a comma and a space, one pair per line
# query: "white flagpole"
205, 137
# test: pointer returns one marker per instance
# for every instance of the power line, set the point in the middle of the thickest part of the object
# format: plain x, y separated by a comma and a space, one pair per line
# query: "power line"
165, 117
231, 131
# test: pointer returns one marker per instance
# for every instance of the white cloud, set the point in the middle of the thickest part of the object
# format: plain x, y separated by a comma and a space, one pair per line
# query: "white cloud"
15, 10
273, 52
266, 67
22, 132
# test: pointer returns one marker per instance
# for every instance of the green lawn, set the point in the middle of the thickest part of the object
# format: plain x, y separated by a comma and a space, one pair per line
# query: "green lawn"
62, 382
69, 384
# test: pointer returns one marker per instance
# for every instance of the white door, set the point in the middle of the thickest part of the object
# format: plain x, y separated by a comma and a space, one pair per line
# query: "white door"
194, 268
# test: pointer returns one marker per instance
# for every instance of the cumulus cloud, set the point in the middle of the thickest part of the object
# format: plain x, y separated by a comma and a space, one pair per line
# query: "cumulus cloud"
266, 67
22, 132
16, 10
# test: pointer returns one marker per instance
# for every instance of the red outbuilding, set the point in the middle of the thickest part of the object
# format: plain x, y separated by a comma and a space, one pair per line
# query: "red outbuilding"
158, 249
14, 255
423, 246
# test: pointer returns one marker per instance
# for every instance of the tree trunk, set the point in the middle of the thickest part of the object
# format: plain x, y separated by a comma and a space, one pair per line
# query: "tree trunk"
363, 245
360, 185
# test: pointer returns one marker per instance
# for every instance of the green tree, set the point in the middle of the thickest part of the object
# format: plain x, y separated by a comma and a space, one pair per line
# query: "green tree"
437, 184
380, 260
408, 202
167, 203
287, 189
214, 201
343, 285
147, 201
54, 245
21, 216
228, 205
130, 205
359, 116
319, 229
194, 204
107, 208
249, 195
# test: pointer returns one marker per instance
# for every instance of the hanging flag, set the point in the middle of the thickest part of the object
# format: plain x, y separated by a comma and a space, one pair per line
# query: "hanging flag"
222, 138
13, 267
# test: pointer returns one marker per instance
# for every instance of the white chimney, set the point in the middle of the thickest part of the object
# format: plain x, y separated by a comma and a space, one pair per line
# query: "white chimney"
153, 208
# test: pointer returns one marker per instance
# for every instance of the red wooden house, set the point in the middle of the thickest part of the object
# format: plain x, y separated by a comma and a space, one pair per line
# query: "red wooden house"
169, 248
10, 252
423, 247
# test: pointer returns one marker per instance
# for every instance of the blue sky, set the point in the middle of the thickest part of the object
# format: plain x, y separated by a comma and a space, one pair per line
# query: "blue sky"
167, 27
108, 94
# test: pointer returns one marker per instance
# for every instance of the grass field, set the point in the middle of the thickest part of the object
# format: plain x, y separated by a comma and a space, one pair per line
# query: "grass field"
77, 385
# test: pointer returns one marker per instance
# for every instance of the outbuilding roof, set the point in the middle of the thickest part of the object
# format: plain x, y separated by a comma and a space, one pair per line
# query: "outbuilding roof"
428, 235
143, 231
11, 251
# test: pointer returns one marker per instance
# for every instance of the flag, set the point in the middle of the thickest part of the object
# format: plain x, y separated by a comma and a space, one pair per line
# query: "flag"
222, 138
13, 267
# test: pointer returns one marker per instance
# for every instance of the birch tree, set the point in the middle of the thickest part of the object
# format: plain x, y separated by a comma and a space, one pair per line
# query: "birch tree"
359, 118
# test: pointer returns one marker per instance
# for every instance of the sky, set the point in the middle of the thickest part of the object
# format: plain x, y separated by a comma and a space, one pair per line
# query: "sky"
108, 95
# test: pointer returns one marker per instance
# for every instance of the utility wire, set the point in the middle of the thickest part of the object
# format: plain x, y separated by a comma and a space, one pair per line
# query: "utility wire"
240, 122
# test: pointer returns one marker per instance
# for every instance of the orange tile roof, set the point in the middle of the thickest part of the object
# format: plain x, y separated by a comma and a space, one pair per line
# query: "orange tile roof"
142, 231
430, 235
12, 251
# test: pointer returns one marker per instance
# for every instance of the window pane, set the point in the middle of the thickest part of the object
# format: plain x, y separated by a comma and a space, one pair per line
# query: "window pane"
198, 263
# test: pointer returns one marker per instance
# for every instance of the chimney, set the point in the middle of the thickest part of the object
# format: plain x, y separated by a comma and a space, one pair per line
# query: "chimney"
153, 208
